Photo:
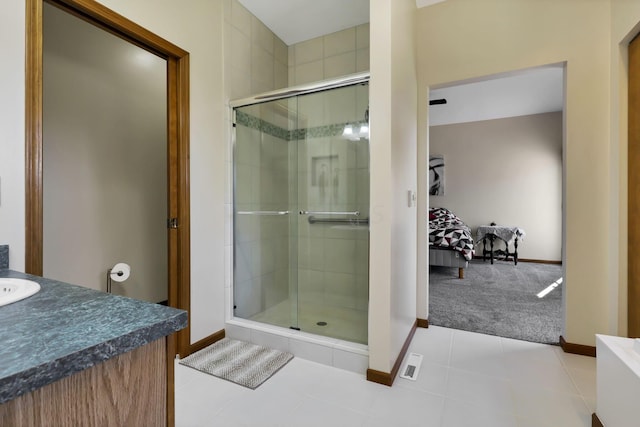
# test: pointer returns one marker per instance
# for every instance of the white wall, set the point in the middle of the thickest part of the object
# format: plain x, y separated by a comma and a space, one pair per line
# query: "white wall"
104, 159
507, 171
460, 40
392, 269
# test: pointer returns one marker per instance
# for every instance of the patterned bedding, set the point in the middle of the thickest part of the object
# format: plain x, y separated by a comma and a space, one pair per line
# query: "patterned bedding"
446, 230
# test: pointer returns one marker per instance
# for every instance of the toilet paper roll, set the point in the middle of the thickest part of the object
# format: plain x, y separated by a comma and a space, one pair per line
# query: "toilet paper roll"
120, 272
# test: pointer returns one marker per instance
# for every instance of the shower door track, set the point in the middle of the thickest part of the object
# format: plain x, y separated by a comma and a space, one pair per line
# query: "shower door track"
290, 92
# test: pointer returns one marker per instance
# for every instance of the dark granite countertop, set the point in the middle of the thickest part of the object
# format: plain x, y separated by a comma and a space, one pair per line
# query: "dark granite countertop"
64, 329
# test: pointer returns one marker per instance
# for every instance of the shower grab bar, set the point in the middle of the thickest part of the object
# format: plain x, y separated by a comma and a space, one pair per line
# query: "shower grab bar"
357, 221
263, 212
354, 213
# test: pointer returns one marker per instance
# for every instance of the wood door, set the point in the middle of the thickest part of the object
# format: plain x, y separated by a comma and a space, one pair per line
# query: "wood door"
178, 152
634, 190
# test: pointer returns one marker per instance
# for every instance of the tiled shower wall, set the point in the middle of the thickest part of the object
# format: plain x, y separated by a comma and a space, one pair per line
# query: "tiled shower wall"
256, 60
333, 55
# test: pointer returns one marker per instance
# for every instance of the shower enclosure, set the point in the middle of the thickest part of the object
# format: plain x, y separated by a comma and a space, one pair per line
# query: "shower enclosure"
301, 209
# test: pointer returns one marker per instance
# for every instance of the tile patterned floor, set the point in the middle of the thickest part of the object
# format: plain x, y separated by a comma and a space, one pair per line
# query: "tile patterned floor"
466, 379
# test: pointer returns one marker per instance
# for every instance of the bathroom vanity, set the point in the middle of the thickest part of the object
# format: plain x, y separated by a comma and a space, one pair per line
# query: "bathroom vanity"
75, 356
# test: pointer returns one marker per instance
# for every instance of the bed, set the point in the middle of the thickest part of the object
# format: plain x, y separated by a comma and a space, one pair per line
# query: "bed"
450, 240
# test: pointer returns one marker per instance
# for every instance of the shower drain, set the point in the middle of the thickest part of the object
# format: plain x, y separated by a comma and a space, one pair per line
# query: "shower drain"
321, 323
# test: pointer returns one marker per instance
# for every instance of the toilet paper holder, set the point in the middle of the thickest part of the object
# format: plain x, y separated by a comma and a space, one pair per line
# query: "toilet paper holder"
119, 273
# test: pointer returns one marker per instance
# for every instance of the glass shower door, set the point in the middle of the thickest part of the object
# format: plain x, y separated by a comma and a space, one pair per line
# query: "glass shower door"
264, 215
333, 209
301, 196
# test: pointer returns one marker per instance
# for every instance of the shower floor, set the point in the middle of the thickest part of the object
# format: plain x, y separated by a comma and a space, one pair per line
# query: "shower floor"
342, 323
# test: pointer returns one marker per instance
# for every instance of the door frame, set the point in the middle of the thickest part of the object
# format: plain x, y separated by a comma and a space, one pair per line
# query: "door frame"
563, 219
633, 176
178, 196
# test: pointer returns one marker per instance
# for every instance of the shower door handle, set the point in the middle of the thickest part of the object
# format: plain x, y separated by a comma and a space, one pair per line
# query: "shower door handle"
354, 213
263, 212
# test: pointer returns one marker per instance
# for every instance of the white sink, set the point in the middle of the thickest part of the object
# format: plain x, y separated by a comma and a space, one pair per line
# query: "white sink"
12, 290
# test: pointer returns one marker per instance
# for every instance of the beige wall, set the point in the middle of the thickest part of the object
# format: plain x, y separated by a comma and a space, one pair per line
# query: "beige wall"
462, 40
507, 171
197, 27
392, 270
105, 174
333, 55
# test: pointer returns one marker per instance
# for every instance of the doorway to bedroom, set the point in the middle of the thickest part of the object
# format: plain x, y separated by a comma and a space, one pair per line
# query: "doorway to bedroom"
496, 179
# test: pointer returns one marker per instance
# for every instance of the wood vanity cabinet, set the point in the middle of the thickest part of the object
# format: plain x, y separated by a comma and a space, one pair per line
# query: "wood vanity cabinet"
127, 390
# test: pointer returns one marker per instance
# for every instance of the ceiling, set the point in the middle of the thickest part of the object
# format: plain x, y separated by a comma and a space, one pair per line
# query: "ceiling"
295, 21
532, 91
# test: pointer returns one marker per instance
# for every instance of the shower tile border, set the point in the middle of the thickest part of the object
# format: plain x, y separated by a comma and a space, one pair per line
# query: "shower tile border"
324, 131
253, 122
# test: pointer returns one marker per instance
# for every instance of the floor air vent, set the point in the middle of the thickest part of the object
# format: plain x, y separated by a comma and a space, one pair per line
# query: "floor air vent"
411, 367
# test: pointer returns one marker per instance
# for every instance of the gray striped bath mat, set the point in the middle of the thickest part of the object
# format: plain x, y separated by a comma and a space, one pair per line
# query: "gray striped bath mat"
237, 361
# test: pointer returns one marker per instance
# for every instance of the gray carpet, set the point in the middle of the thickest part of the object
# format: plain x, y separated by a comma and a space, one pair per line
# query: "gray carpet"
240, 362
498, 299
